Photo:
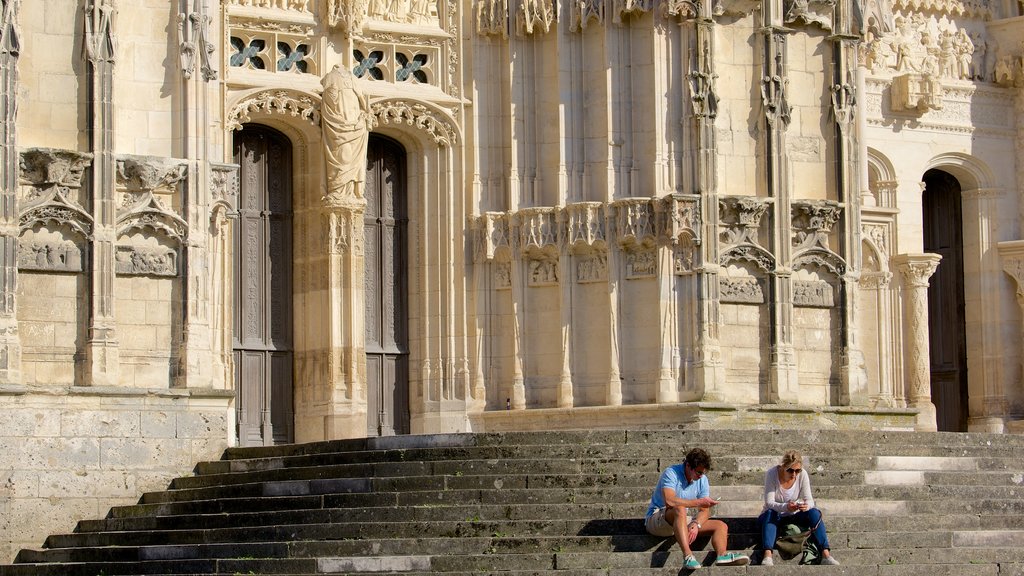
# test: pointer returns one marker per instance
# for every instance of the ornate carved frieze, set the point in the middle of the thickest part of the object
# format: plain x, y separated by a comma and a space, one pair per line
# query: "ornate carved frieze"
813, 294
592, 267
224, 186
535, 16
622, 9
144, 177
100, 41
684, 9
50, 181
304, 6
538, 228
145, 261
143, 180
492, 18
193, 34
492, 235
740, 290
809, 12
933, 47
820, 259
290, 102
435, 123
813, 222
635, 222
586, 223
642, 263
680, 221
749, 253
979, 9
584, 12
740, 218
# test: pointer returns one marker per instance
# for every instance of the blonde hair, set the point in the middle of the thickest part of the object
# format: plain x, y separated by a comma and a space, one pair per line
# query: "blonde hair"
790, 457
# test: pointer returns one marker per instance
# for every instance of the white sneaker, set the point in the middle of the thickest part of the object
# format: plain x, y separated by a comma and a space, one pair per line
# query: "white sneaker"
829, 561
767, 561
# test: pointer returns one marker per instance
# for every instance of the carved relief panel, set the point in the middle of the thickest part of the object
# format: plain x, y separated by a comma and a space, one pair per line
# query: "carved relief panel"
55, 226
150, 233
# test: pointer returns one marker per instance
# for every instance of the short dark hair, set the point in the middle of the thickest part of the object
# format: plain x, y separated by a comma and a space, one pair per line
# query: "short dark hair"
697, 458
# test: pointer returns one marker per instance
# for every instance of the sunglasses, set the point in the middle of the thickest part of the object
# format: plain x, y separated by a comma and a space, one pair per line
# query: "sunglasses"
794, 470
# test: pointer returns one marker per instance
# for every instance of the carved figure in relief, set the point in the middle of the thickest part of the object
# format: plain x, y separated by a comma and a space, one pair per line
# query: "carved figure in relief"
1004, 71
543, 272
978, 57
965, 55
419, 11
345, 118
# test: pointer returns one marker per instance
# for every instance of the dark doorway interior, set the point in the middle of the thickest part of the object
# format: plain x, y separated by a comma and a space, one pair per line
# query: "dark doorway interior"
943, 234
262, 282
387, 341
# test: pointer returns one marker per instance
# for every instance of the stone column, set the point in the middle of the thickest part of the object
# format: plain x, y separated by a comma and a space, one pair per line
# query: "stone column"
614, 393
102, 355
916, 270
566, 285
224, 195
10, 345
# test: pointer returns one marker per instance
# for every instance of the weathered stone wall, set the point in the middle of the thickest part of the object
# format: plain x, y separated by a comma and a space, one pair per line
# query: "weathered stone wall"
71, 454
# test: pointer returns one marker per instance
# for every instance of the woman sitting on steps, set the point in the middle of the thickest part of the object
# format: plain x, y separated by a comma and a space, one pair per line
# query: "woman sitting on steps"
788, 500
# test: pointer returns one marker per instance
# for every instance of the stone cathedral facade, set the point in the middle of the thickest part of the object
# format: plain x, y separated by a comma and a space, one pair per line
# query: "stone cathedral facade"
573, 214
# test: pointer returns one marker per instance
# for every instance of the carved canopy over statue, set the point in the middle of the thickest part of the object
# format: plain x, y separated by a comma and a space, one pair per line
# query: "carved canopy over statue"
345, 117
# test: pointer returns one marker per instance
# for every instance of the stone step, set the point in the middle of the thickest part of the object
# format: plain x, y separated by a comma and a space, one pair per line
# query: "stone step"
779, 439
328, 525
635, 495
497, 543
765, 454
724, 467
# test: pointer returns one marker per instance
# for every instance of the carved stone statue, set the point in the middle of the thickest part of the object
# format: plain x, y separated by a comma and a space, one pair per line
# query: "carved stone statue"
344, 119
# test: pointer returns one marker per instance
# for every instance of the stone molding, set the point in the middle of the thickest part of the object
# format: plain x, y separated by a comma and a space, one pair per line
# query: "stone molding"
278, 101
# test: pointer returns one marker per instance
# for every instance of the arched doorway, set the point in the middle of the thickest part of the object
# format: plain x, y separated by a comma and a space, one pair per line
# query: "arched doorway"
262, 283
943, 234
387, 335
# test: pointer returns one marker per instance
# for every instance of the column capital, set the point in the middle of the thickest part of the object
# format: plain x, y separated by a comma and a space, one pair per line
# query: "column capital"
917, 268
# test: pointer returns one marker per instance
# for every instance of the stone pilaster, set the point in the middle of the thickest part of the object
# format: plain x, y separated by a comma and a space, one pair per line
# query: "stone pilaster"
783, 378
614, 396
1012, 254
196, 363
224, 189
102, 356
708, 370
916, 270
845, 112
10, 345
987, 410
346, 339
566, 285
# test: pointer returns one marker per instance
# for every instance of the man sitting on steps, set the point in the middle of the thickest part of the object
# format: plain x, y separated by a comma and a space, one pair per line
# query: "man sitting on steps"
682, 487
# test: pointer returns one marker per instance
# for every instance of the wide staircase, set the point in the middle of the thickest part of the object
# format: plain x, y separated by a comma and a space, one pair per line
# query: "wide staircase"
556, 503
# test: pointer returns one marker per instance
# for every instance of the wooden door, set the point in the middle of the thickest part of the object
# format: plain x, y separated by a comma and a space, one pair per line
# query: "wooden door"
943, 234
387, 342
262, 282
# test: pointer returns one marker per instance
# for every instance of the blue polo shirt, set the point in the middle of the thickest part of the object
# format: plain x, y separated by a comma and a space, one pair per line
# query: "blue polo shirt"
674, 477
